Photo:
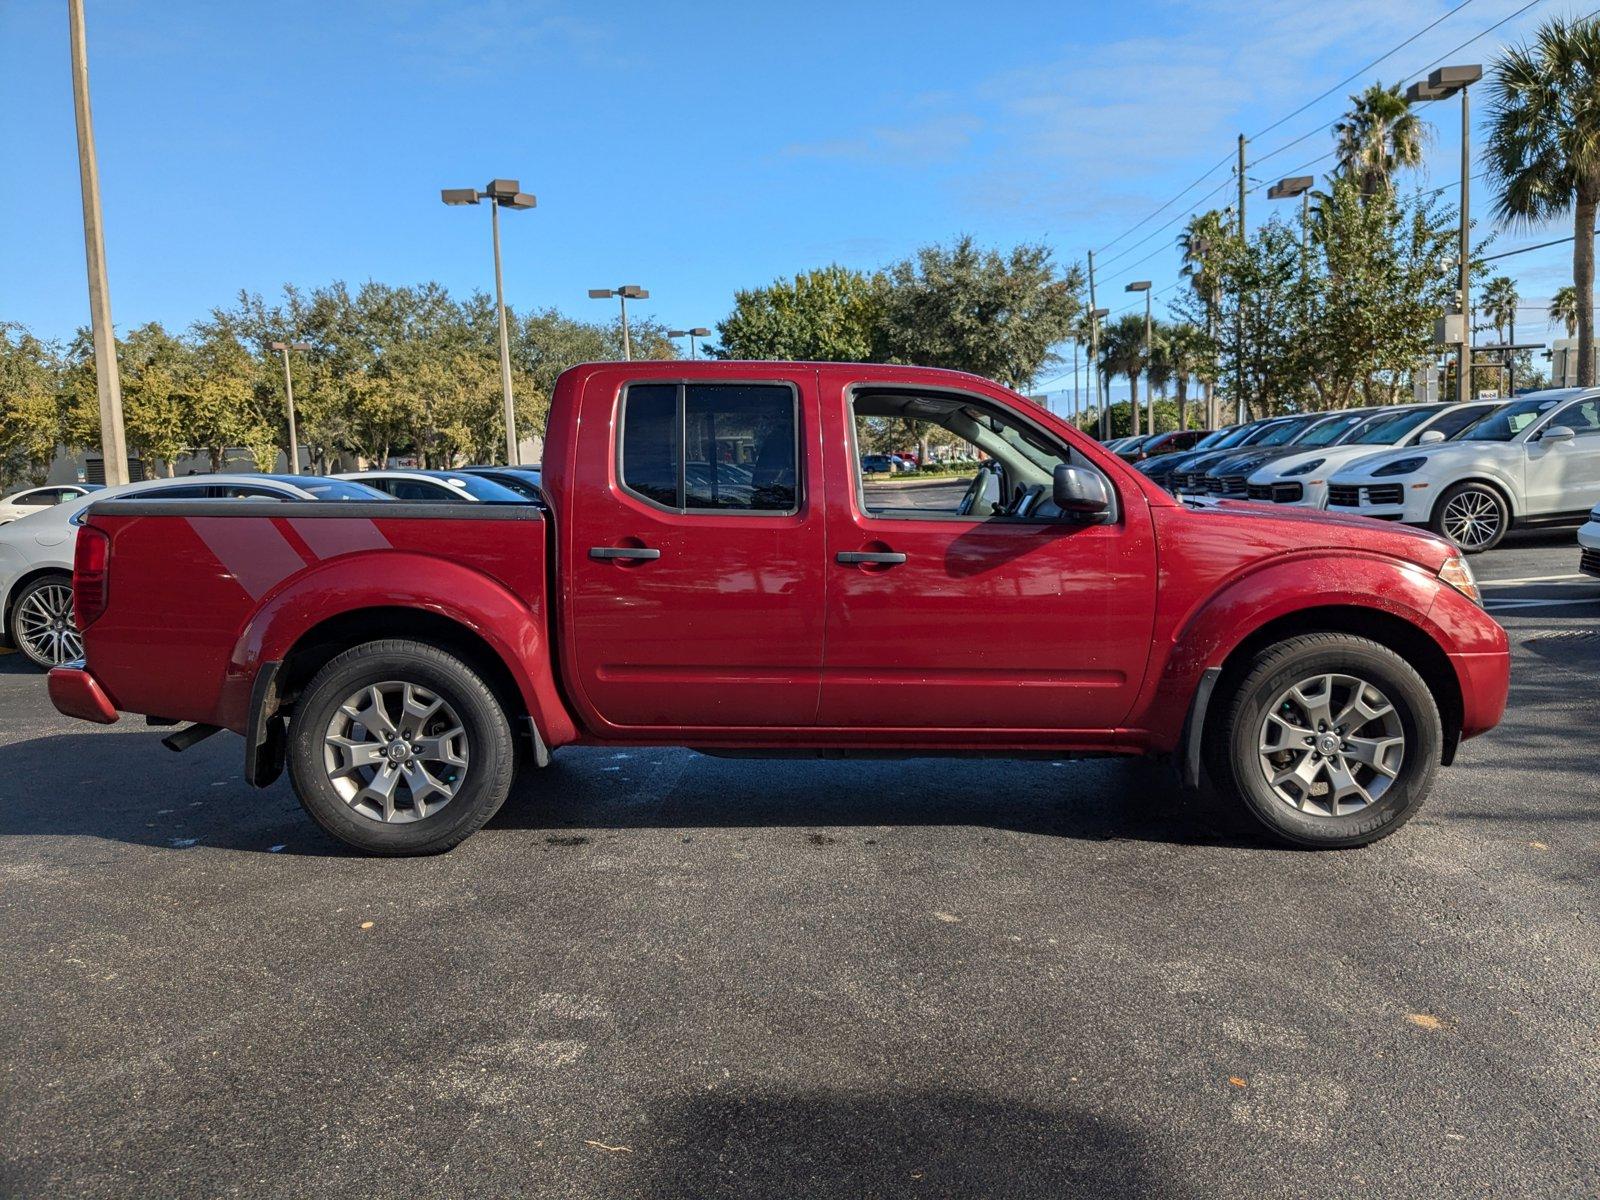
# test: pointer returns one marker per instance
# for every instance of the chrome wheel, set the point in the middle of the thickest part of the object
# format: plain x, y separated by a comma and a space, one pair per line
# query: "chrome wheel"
45, 628
1331, 745
1471, 519
395, 752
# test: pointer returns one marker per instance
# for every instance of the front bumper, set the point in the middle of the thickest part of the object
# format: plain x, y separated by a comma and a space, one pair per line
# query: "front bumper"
78, 694
1383, 499
1589, 552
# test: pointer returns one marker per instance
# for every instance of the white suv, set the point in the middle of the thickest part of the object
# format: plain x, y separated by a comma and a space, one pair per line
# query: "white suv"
1536, 461
1301, 479
1589, 545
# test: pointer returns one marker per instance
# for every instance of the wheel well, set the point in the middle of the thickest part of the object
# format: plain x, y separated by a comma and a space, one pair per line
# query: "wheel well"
1496, 488
1397, 634
22, 582
322, 643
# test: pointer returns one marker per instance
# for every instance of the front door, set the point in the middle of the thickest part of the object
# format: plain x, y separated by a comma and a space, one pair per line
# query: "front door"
1564, 476
696, 561
959, 598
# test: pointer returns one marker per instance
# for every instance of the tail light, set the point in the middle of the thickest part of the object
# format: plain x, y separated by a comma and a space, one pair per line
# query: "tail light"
90, 576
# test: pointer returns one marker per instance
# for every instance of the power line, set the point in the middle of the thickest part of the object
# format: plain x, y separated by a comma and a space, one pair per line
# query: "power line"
1226, 183
1530, 249
1315, 100
1226, 158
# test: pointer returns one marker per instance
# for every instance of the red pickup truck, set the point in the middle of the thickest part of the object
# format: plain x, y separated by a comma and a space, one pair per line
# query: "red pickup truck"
712, 569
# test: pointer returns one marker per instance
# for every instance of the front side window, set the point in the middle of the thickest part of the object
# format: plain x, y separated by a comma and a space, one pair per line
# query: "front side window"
701, 447
975, 460
1582, 418
1509, 421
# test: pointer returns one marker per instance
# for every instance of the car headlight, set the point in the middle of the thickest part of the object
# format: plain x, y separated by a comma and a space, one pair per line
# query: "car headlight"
1458, 574
1403, 467
1306, 468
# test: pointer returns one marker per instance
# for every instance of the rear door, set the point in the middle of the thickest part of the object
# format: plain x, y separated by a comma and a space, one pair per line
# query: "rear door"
958, 600
695, 554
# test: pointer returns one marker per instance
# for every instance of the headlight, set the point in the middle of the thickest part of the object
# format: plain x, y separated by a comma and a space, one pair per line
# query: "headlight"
1404, 467
1459, 575
1306, 468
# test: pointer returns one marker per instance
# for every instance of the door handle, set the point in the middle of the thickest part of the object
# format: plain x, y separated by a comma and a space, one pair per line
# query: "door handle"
853, 557
638, 553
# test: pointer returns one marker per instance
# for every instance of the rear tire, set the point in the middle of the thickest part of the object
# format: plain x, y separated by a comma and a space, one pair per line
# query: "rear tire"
397, 748
1472, 517
1329, 740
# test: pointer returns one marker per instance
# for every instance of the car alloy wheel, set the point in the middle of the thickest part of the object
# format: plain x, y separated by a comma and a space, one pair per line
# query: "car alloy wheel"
1331, 745
1471, 519
395, 752
45, 627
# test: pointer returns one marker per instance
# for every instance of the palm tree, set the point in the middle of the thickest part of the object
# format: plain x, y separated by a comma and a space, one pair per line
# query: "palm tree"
1200, 243
1122, 353
1564, 309
1379, 136
1543, 149
1499, 304
1184, 347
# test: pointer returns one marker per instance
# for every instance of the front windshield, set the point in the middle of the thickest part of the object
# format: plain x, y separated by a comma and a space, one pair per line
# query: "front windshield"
1214, 439
1325, 433
483, 489
339, 489
1511, 420
1391, 429
1283, 434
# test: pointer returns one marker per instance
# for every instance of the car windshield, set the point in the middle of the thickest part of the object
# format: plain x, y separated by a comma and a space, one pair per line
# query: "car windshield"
1391, 428
1283, 434
1326, 433
1512, 419
519, 484
478, 488
1212, 440
330, 489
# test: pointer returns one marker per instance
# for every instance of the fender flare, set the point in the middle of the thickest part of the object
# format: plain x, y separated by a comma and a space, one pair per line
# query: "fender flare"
514, 631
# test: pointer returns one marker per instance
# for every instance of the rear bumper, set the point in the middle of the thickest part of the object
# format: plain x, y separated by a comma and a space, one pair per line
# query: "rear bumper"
77, 693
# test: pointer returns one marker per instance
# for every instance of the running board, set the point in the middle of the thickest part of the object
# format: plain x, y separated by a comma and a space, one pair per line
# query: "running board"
189, 735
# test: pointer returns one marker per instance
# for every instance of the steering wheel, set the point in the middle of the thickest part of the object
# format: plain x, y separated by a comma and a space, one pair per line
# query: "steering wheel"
969, 502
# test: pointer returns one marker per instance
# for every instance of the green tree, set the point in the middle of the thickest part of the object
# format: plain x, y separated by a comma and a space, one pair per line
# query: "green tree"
1122, 353
828, 315
1498, 300
1564, 309
1189, 352
158, 381
994, 314
32, 421
1543, 150
1379, 136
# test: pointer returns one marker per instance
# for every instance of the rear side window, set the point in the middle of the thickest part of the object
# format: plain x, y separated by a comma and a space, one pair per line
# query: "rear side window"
703, 447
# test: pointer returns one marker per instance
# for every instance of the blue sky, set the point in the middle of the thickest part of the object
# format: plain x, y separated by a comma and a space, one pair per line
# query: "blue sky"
694, 149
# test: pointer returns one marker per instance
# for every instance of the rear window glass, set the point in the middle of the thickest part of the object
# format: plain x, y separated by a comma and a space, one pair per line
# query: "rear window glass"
703, 446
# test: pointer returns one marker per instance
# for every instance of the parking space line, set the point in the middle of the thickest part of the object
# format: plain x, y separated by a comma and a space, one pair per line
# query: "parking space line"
1499, 605
1530, 579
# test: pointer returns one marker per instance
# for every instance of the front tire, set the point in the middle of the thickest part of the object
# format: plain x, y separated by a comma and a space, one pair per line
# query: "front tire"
42, 624
398, 747
1472, 517
1330, 740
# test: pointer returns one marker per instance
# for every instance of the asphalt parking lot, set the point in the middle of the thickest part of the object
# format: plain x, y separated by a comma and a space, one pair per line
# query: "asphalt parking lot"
662, 975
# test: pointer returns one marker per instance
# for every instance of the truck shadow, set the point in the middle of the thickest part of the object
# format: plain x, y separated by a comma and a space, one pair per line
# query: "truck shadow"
756, 1144
124, 787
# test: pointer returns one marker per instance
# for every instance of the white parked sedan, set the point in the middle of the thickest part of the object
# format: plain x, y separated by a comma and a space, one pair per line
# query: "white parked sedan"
36, 551
1589, 544
436, 487
1302, 479
30, 500
1535, 462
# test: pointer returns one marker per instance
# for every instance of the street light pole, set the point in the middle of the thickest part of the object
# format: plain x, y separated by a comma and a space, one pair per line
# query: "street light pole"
283, 348
628, 291
1143, 285
1441, 85
108, 385
501, 193
699, 331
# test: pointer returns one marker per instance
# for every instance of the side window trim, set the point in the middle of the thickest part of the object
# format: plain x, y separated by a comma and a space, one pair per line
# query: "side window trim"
681, 387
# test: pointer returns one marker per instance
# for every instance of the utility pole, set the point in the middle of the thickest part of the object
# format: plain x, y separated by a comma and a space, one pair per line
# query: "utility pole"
1464, 371
283, 348
113, 441
1094, 348
1238, 323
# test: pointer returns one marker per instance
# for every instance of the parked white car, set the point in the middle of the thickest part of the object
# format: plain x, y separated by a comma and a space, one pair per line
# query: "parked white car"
36, 551
1589, 544
31, 500
1301, 480
436, 487
1536, 461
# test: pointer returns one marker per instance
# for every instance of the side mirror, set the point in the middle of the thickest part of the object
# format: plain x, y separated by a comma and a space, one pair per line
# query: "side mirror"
1431, 437
1557, 433
1080, 494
